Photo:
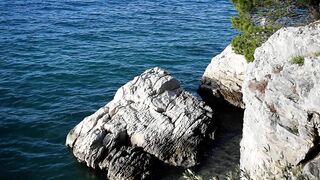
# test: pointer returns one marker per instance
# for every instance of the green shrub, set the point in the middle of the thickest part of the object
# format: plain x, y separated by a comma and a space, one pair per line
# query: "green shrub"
245, 44
247, 41
252, 36
297, 60
248, 5
243, 5
243, 24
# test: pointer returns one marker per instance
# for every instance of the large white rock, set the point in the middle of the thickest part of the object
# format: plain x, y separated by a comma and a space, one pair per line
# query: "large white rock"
151, 117
281, 120
222, 79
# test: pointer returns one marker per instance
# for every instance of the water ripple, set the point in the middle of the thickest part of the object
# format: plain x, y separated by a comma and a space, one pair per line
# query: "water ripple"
62, 60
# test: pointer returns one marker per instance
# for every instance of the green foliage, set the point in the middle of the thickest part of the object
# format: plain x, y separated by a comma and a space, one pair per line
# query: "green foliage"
244, 24
250, 37
246, 42
297, 60
245, 45
244, 6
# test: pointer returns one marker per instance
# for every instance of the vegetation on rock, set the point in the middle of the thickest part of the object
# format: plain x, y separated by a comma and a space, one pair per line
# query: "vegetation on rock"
297, 60
252, 34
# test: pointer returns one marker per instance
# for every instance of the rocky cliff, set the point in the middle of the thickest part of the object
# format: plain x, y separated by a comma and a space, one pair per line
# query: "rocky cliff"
281, 137
222, 79
151, 118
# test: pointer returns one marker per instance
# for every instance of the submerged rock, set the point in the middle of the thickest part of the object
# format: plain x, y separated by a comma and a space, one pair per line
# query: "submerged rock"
222, 79
281, 137
151, 117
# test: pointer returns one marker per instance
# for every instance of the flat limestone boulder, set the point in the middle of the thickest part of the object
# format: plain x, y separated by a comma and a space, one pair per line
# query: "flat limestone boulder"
222, 79
281, 91
151, 118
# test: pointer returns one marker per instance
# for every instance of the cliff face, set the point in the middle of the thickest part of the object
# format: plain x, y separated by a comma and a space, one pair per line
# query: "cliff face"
282, 116
222, 79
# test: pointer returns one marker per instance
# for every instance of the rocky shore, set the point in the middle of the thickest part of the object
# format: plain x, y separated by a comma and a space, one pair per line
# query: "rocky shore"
282, 97
222, 80
153, 119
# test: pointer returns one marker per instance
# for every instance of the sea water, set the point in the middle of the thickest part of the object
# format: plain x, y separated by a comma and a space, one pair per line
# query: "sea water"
60, 60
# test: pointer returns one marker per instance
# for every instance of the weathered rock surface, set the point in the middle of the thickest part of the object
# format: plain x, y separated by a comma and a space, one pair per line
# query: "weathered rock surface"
222, 79
281, 120
151, 117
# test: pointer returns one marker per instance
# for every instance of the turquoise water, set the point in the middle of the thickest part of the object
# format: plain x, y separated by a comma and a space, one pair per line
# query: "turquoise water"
62, 60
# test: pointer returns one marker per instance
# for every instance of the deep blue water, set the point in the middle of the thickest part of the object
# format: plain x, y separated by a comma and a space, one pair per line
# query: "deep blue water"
60, 60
